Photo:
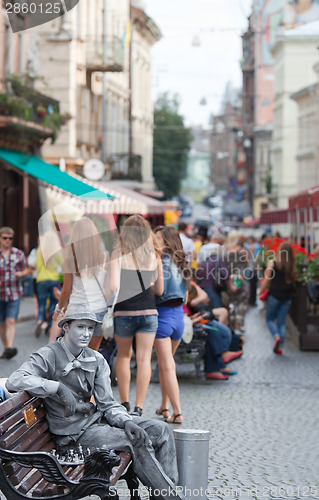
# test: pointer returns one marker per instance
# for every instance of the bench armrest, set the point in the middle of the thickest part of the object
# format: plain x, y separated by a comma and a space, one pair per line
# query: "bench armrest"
48, 465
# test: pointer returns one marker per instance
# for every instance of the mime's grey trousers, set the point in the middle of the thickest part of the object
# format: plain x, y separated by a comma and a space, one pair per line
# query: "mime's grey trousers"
154, 465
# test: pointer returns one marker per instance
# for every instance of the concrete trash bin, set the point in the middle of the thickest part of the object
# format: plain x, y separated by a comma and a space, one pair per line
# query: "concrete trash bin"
192, 452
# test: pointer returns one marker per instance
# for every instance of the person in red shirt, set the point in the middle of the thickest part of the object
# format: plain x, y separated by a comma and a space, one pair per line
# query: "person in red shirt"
12, 268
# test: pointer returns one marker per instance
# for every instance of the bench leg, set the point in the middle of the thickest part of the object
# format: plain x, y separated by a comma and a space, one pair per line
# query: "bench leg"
132, 482
200, 377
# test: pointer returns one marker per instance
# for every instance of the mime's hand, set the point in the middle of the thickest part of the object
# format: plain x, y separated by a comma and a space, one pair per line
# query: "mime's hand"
136, 434
67, 399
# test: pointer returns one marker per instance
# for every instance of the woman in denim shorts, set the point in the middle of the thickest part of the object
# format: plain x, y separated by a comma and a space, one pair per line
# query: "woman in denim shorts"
170, 329
138, 277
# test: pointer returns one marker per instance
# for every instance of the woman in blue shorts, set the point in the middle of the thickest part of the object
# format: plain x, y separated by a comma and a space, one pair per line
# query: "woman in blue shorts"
176, 275
136, 268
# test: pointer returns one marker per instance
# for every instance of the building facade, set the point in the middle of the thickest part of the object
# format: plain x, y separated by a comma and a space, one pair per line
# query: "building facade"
270, 19
225, 163
295, 54
23, 130
145, 34
248, 109
94, 60
307, 143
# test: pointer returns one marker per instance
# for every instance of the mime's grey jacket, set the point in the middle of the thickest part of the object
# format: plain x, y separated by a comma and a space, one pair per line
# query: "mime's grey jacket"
86, 375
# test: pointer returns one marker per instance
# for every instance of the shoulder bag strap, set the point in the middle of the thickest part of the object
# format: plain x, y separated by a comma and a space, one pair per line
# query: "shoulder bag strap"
111, 308
139, 274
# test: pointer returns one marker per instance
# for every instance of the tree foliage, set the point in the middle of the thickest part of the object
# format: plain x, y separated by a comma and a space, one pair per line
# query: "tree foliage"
171, 145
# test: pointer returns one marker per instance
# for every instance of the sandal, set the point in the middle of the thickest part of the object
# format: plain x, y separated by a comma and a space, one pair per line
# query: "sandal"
174, 417
138, 412
127, 406
161, 411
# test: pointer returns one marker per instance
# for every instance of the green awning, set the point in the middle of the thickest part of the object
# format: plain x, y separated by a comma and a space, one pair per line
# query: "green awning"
50, 174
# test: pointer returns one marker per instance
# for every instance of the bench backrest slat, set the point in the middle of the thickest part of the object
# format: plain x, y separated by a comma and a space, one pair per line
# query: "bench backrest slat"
16, 472
17, 416
21, 441
44, 488
14, 402
30, 482
21, 430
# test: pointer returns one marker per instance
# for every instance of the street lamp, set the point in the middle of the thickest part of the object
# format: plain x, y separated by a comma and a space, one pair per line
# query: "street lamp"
196, 42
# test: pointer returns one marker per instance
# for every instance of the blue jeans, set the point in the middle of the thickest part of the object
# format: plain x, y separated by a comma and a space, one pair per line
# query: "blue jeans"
214, 297
277, 310
9, 309
217, 342
127, 326
45, 290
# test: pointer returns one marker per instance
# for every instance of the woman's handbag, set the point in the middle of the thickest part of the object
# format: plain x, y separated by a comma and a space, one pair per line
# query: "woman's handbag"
108, 324
263, 296
188, 331
108, 320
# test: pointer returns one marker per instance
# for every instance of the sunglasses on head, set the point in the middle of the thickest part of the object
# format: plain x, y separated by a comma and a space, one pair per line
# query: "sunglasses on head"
7, 237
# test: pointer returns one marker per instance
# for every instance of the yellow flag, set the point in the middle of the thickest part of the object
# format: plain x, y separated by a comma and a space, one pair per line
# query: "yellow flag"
128, 33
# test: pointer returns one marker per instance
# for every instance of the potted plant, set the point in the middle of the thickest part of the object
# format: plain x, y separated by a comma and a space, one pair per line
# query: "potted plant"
65, 117
41, 111
18, 106
3, 104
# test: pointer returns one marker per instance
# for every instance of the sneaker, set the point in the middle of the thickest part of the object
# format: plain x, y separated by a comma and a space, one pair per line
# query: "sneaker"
9, 353
38, 330
41, 327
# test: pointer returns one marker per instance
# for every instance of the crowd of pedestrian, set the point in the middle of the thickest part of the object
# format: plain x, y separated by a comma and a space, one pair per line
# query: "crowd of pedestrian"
151, 280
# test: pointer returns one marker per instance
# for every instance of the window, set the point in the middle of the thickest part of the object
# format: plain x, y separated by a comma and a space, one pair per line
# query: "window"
261, 156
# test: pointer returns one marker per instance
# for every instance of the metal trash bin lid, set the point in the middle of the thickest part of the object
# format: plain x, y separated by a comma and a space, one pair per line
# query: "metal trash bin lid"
191, 435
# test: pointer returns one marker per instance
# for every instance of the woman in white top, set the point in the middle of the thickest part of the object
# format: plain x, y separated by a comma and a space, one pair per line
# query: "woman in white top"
85, 269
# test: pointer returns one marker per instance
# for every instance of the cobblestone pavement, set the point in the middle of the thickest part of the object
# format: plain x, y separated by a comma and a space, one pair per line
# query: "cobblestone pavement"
263, 422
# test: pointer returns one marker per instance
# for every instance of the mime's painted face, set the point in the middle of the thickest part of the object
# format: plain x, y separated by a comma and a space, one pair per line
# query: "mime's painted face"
78, 334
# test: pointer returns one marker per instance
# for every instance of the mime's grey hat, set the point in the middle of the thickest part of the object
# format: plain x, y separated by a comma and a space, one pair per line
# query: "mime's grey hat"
78, 311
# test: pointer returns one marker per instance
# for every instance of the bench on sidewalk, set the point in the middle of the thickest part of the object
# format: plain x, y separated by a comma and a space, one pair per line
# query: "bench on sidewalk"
29, 469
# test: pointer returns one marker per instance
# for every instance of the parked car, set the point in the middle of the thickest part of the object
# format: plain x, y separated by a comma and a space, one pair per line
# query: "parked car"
215, 214
213, 201
185, 205
202, 227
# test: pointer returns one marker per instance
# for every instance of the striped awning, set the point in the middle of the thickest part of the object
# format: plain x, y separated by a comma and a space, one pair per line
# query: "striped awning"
277, 216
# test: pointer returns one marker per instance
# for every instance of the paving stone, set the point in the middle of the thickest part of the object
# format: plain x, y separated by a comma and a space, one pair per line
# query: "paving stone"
263, 422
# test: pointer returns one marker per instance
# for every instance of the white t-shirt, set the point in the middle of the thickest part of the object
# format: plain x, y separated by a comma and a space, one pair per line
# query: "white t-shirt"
188, 246
205, 251
85, 289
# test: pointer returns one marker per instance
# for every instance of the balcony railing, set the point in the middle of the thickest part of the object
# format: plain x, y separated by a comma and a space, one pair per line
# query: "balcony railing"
126, 166
105, 55
28, 115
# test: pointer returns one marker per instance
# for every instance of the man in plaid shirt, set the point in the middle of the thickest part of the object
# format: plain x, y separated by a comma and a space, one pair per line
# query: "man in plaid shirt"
12, 268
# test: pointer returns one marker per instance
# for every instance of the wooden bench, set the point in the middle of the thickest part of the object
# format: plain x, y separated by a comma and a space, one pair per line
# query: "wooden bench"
29, 470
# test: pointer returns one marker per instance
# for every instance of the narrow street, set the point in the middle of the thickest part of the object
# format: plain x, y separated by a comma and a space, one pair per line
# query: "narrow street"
263, 422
